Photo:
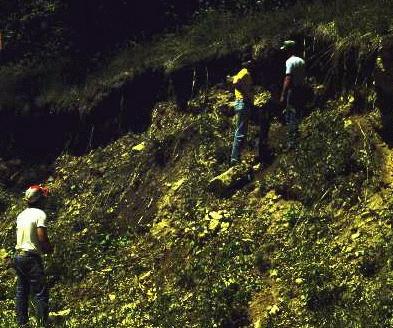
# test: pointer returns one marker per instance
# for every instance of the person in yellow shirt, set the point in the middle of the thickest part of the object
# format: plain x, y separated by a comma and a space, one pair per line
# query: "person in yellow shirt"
244, 98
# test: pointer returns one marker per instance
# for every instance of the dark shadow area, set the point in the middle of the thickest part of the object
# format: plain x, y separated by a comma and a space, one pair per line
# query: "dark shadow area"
39, 135
385, 103
126, 109
384, 90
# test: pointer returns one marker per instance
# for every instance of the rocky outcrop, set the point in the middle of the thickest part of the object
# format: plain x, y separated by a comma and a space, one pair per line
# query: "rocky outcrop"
234, 178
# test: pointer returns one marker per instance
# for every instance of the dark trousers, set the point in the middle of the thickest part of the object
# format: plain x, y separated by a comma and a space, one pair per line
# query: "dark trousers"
295, 104
272, 109
31, 279
296, 98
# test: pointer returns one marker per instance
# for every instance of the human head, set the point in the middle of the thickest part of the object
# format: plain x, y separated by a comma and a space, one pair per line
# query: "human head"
34, 195
289, 46
247, 58
249, 64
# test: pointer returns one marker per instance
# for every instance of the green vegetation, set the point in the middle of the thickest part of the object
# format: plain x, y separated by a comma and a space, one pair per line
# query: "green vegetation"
143, 241
337, 153
336, 29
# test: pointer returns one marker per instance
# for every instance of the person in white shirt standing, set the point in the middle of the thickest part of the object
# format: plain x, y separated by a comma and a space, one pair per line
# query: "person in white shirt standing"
32, 241
293, 91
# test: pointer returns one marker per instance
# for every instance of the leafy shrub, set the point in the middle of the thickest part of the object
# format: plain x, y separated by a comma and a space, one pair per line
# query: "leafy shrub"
4, 200
333, 153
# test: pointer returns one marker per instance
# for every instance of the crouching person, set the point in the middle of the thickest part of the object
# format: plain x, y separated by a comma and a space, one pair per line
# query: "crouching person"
32, 241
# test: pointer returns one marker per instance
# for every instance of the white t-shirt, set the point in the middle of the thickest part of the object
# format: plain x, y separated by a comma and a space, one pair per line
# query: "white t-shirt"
296, 67
27, 223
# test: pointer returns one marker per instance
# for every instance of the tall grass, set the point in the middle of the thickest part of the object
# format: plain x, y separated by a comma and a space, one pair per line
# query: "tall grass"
342, 24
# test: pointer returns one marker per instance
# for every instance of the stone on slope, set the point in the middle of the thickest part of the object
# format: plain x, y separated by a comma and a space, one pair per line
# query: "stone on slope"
231, 180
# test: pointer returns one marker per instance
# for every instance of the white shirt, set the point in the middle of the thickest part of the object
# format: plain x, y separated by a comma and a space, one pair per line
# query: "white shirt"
295, 66
27, 223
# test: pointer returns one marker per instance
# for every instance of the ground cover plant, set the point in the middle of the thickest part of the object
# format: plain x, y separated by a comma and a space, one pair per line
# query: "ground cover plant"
145, 244
142, 240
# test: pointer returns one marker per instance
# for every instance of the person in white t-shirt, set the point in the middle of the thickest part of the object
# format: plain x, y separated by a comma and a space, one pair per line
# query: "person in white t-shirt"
293, 92
32, 241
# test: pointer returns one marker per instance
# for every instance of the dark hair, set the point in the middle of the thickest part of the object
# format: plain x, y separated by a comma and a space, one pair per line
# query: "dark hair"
246, 55
248, 63
39, 203
296, 48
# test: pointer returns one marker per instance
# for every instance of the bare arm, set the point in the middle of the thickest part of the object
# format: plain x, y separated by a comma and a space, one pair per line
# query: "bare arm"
286, 85
43, 239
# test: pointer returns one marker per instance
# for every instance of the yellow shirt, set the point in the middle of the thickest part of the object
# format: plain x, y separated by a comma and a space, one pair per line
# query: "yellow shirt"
244, 81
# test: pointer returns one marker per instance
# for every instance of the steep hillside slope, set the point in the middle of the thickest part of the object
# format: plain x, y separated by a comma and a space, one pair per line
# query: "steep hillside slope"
142, 241
144, 238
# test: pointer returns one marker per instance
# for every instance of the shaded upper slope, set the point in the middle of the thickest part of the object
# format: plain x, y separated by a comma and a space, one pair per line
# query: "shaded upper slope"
115, 96
214, 35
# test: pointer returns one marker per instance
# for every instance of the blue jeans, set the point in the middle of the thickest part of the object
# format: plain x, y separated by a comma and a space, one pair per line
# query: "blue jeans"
31, 279
291, 120
294, 107
242, 108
